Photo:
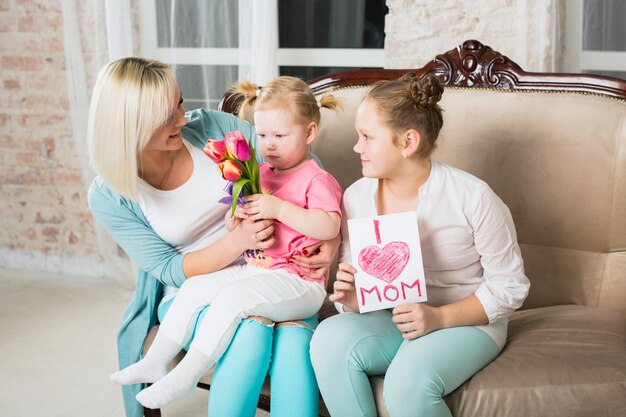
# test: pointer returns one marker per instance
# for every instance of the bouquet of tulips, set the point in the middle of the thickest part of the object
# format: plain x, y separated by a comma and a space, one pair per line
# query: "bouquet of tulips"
237, 163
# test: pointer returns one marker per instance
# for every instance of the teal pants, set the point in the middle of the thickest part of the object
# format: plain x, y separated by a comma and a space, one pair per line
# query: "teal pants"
349, 348
256, 351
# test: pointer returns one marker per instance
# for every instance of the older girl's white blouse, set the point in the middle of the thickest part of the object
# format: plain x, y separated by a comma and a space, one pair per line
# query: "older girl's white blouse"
468, 240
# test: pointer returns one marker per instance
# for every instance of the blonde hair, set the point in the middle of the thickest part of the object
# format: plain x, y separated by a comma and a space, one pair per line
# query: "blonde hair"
411, 103
131, 99
289, 92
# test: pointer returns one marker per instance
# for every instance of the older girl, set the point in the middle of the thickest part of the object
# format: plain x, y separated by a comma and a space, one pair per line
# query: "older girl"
473, 267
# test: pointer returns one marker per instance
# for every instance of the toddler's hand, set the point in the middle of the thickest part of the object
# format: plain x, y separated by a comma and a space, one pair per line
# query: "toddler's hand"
262, 206
344, 289
240, 212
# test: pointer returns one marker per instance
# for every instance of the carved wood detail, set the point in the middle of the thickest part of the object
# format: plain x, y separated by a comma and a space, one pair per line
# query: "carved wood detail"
470, 65
473, 65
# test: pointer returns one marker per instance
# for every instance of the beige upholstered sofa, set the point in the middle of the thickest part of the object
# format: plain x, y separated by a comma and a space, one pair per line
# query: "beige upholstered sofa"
553, 147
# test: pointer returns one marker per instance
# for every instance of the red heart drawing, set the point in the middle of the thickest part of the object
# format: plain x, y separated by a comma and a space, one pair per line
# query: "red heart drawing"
387, 263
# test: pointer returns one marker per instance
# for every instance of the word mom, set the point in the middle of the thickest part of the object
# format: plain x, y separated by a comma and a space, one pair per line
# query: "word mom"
390, 292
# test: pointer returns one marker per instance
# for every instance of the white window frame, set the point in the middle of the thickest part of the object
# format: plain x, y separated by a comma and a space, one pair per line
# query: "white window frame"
577, 60
302, 57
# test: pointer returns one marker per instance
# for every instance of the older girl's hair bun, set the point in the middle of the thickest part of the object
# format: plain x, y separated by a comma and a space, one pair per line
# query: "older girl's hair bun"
426, 91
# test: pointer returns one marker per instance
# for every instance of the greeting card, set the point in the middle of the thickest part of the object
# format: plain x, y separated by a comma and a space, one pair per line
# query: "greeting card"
387, 255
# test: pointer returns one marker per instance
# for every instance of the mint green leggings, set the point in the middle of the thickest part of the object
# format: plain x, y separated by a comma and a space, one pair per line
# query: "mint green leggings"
349, 348
255, 351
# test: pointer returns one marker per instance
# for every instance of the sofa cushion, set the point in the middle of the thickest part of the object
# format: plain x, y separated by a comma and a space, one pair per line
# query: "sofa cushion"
554, 355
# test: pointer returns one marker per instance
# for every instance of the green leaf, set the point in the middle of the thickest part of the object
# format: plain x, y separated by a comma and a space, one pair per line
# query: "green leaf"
239, 184
254, 172
257, 178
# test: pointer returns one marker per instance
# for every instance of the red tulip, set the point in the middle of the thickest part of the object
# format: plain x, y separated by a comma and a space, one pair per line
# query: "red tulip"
231, 170
216, 150
237, 145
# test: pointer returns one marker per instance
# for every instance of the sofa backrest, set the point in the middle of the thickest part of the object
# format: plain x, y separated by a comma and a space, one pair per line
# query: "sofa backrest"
552, 146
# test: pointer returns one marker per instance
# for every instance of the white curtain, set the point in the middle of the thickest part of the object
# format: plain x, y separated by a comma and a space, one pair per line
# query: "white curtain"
119, 29
249, 27
185, 24
539, 34
258, 40
86, 37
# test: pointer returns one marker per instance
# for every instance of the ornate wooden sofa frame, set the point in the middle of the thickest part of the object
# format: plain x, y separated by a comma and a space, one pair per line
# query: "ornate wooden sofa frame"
553, 147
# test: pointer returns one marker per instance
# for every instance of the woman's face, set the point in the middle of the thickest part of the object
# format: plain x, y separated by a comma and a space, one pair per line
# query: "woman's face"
380, 157
168, 137
282, 140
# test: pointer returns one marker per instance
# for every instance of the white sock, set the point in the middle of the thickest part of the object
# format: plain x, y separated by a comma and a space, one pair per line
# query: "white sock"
153, 366
177, 384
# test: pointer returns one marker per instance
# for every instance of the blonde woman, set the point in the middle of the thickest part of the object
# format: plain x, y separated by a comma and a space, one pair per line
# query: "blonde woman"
304, 200
157, 195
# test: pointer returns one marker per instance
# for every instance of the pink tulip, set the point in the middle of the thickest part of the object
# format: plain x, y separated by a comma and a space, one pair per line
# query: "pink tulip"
216, 150
237, 145
231, 170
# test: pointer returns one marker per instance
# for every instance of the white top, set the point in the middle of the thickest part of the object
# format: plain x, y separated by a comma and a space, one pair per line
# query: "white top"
190, 216
468, 239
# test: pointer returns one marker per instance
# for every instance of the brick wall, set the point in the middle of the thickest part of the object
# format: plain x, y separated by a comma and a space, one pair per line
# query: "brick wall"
45, 223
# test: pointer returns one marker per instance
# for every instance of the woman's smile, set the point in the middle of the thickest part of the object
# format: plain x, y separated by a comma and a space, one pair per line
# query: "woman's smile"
175, 137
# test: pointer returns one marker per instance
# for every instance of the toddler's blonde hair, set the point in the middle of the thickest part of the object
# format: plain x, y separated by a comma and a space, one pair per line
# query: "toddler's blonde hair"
286, 92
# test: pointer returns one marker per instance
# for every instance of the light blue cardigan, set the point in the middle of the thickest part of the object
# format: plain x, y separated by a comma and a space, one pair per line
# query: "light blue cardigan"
160, 264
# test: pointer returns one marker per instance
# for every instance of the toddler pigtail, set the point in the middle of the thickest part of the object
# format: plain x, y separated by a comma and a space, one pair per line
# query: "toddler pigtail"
328, 101
250, 92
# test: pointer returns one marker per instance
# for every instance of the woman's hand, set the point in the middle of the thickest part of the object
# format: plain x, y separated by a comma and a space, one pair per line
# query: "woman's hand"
233, 221
415, 320
344, 291
262, 206
319, 257
255, 234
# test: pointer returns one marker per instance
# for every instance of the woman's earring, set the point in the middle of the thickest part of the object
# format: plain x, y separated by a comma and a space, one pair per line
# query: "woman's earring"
404, 155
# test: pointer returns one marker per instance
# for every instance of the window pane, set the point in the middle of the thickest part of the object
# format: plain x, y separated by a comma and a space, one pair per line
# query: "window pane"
308, 73
204, 85
197, 24
331, 23
603, 25
615, 74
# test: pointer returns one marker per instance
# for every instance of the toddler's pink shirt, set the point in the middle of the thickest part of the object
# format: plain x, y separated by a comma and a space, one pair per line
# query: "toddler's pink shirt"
309, 187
